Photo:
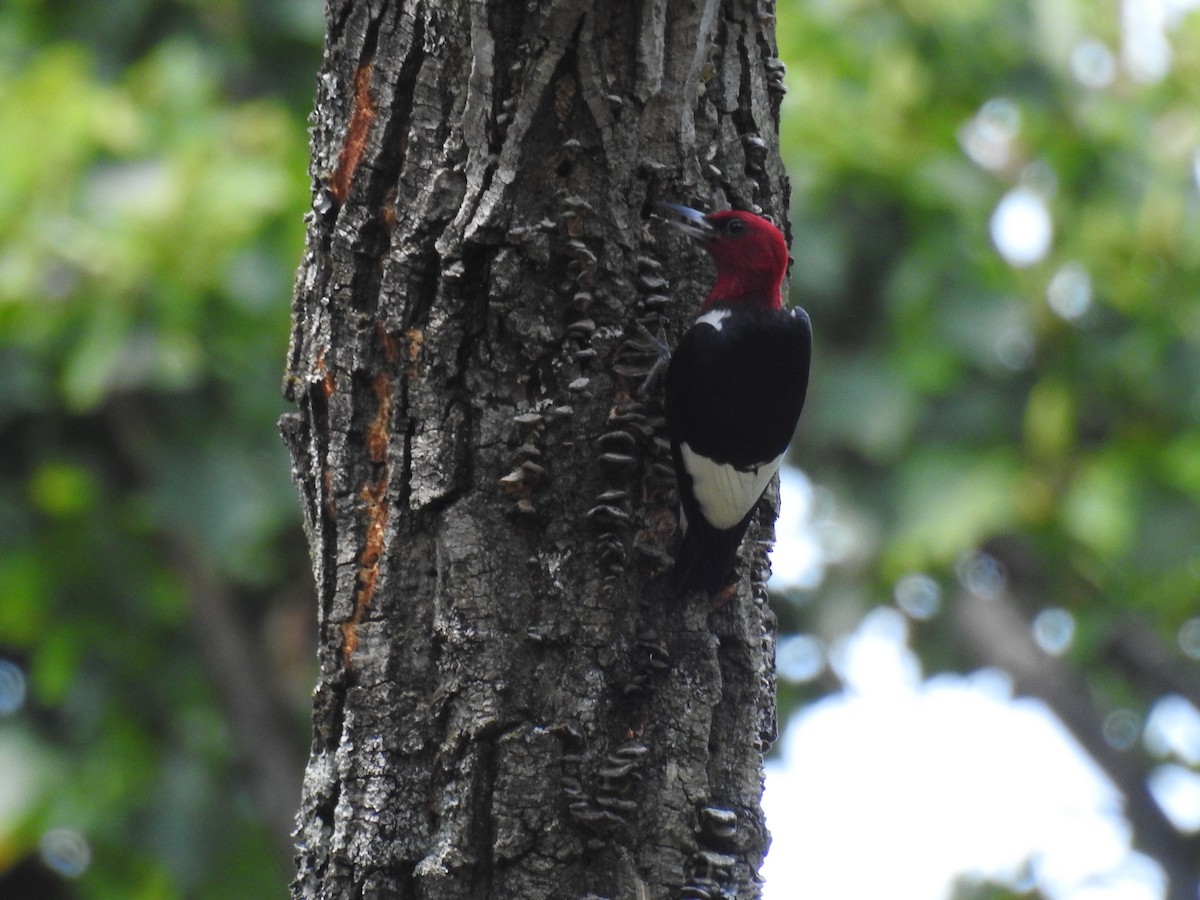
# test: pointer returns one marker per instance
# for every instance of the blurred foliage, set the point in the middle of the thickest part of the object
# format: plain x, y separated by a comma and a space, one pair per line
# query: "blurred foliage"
973, 891
985, 403
957, 398
152, 187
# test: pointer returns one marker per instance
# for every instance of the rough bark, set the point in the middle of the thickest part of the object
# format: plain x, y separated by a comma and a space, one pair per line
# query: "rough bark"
506, 708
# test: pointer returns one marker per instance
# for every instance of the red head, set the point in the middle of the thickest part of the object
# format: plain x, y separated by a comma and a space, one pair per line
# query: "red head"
750, 253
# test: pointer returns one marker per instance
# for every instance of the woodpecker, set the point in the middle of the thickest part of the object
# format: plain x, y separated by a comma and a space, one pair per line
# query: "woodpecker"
735, 386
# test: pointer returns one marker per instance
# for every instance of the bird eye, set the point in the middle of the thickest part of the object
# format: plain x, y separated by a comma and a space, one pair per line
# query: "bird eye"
735, 227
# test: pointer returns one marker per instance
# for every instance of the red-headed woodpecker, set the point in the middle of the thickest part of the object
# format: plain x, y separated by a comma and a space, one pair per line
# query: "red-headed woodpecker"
734, 390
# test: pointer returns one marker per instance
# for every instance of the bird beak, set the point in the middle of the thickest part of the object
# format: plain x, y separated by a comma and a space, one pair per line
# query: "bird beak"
691, 221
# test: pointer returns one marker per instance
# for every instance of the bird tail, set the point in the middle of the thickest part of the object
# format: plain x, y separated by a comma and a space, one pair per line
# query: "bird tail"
706, 559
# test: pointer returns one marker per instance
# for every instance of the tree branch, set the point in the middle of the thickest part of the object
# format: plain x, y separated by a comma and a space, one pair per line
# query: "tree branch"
996, 633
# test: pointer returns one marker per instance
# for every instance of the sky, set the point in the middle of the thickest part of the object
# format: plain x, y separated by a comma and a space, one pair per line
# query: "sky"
901, 783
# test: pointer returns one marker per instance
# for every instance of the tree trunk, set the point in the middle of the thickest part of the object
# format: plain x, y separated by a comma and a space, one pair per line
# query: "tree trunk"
506, 706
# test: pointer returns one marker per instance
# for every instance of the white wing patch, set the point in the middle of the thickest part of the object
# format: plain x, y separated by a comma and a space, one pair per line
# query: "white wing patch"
714, 317
726, 493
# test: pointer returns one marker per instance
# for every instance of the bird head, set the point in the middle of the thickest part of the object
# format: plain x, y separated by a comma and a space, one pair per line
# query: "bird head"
750, 254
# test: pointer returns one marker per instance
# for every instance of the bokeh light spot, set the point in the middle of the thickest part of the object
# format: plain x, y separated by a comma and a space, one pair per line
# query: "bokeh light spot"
65, 851
1021, 227
1070, 292
1121, 728
1173, 729
1053, 630
987, 138
918, 595
1176, 790
1014, 348
1093, 64
982, 575
1189, 638
13, 688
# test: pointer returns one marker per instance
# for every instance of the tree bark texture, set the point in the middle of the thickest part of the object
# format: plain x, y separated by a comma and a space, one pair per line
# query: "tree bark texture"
506, 706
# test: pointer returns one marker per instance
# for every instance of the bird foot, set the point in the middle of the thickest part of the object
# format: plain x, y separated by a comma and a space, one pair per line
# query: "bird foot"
656, 341
659, 344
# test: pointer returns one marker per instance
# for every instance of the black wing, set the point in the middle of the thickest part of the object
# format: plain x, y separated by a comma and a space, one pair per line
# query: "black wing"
734, 395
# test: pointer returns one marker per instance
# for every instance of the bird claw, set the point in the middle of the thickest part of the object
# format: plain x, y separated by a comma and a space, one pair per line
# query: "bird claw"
634, 359
657, 343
